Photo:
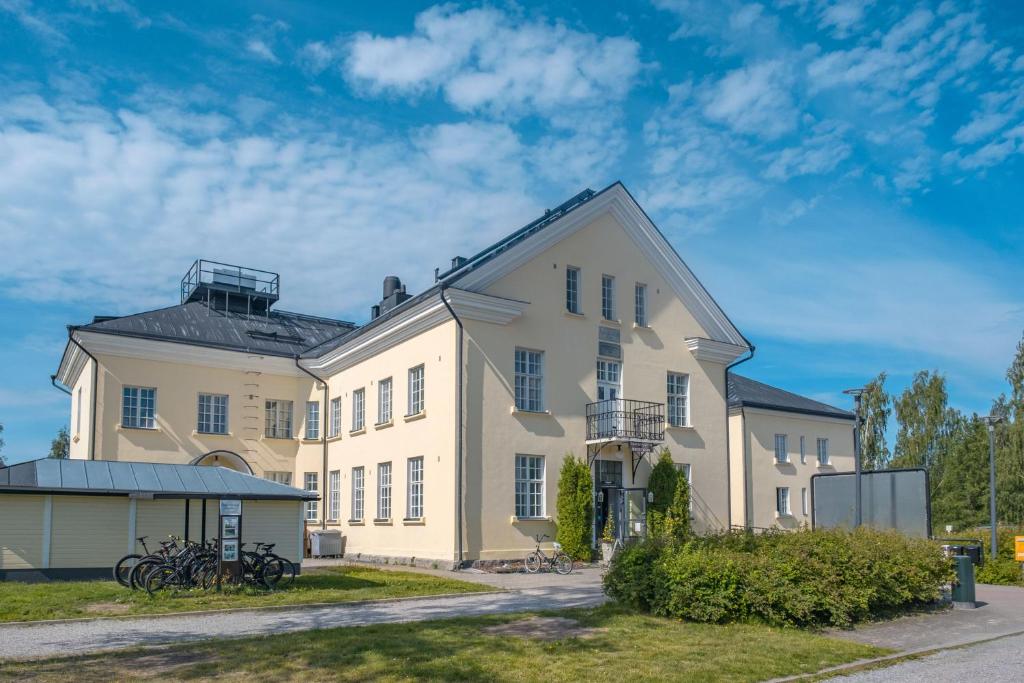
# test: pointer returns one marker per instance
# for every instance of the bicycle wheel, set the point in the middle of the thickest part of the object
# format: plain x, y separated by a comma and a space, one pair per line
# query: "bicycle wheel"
137, 577
123, 569
160, 577
277, 573
563, 563
533, 563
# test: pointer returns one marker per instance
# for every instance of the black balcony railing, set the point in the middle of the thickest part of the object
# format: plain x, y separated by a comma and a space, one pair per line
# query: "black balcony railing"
626, 419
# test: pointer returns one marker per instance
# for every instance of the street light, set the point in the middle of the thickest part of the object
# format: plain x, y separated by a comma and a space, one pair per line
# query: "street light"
857, 513
991, 421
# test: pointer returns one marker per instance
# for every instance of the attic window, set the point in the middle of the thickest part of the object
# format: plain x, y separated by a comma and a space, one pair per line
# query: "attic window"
276, 336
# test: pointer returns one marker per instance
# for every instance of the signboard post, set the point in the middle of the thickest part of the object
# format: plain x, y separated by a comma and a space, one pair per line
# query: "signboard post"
229, 552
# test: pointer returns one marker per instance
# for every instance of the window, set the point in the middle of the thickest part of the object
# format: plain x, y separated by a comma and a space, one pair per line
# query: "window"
640, 301
414, 495
529, 486
357, 493
279, 477
138, 408
608, 297
312, 419
803, 501
334, 495
416, 390
384, 401
822, 451
309, 483
572, 290
529, 380
384, 490
213, 414
782, 500
781, 452
279, 419
678, 399
358, 409
803, 451
78, 412
335, 426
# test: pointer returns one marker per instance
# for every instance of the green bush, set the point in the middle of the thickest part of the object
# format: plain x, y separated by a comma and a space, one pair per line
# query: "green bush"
802, 578
575, 508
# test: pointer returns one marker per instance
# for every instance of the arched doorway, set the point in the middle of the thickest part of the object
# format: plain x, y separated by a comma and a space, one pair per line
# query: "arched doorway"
228, 459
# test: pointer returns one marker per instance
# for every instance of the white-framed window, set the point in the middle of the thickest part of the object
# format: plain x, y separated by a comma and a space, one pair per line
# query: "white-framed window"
358, 409
335, 424
279, 477
608, 297
803, 501
529, 486
357, 493
138, 407
803, 450
416, 389
781, 449
640, 304
414, 492
312, 419
78, 412
609, 371
279, 419
310, 483
822, 451
384, 401
384, 490
572, 289
212, 414
334, 495
529, 381
678, 402
782, 500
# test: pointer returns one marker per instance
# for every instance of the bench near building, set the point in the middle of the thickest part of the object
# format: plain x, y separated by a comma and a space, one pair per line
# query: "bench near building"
436, 430
72, 519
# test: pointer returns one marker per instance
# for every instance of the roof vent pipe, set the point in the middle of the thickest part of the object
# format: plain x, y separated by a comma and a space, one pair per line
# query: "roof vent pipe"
392, 284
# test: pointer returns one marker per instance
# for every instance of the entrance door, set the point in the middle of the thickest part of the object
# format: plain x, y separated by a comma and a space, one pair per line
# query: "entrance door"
608, 486
609, 387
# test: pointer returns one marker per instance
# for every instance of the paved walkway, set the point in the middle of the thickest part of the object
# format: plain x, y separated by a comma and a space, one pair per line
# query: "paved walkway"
525, 593
993, 662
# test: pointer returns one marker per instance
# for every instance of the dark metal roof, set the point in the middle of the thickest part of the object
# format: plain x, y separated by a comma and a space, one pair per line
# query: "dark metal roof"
104, 477
744, 391
280, 333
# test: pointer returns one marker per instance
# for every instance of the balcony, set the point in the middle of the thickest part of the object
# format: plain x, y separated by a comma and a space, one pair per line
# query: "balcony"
625, 420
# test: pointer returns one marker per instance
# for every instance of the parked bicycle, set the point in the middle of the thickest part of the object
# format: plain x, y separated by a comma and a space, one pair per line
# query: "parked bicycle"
538, 559
195, 565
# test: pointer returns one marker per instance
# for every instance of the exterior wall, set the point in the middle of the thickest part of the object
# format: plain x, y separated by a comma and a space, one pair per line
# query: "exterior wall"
88, 531
81, 414
21, 540
430, 435
271, 521
765, 474
175, 439
496, 433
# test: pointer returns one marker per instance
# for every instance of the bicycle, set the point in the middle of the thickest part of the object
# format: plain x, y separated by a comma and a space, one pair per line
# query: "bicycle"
559, 561
124, 566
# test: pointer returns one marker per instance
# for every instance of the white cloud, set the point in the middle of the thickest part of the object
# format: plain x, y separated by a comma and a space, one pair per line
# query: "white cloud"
818, 153
754, 100
261, 50
33, 20
485, 59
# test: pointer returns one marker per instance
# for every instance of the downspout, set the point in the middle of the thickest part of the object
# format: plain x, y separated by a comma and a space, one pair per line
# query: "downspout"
459, 437
323, 438
95, 390
728, 451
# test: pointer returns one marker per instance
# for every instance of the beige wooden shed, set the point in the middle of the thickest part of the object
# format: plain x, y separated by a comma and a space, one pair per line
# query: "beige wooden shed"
74, 519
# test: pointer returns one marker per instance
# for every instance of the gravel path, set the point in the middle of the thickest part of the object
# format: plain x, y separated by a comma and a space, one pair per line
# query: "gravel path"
48, 640
992, 662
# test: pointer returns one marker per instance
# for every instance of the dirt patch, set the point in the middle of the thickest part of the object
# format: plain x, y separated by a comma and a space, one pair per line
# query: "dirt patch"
166, 661
108, 608
544, 628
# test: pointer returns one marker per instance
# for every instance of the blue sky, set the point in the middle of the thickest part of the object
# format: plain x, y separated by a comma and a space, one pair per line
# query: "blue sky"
843, 175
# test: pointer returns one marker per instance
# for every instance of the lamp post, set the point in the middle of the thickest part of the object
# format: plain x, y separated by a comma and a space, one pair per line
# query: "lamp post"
858, 421
991, 421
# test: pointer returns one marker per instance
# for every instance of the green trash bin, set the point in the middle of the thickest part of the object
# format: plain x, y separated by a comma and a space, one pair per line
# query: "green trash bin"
963, 588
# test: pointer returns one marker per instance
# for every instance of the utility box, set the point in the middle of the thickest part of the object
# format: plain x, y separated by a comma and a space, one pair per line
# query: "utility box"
325, 543
963, 588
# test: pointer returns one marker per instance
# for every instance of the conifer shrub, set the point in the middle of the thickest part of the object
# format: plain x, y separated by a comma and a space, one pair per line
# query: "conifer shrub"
575, 508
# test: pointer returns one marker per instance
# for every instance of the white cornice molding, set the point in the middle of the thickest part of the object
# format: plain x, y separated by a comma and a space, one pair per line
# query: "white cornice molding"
617, 201
71, 365
714, 351
170, 352
489, 309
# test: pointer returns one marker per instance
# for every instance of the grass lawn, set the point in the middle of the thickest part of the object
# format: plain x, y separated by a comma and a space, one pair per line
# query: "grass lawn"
606, 644
71, 599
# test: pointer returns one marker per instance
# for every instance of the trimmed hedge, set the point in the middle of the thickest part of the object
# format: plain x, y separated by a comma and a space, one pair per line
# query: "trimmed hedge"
802, 578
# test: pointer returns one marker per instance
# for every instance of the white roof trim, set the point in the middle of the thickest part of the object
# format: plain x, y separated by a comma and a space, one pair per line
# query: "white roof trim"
490, 309
714, 351
617, 201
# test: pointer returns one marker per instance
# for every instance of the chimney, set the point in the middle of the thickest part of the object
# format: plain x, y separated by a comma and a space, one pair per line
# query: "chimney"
394, 294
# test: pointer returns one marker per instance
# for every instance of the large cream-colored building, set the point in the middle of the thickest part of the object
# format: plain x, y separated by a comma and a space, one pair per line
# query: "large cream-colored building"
437, 430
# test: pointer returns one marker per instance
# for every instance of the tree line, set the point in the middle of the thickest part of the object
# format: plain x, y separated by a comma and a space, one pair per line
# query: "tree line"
952, 446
